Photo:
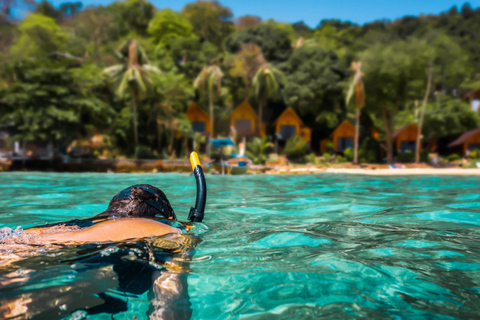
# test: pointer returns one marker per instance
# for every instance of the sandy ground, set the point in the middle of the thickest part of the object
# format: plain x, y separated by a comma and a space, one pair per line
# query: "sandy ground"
409, 171
380, 172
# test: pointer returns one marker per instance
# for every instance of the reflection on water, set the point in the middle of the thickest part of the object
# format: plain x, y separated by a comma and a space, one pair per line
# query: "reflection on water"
278, 247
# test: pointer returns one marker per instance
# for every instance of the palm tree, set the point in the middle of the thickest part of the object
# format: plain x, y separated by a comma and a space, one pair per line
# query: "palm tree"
209, 81
131, 75
257, 149
357, 86
266, 84
420, 121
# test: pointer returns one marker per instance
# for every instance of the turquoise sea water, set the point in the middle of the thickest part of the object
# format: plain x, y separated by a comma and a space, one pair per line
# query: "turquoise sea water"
277, 247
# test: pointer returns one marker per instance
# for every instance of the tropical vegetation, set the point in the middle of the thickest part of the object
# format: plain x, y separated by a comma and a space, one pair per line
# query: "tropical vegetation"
129, 70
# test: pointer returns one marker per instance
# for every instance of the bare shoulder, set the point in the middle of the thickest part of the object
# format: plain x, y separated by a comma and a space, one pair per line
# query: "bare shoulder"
115, 230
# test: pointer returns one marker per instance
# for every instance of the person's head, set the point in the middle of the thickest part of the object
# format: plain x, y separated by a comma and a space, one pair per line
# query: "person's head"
140, 200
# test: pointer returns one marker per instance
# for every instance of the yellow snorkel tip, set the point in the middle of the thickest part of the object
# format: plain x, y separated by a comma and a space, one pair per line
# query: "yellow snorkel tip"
194, 161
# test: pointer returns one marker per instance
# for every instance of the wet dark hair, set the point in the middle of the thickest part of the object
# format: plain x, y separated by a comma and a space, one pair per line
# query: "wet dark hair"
140, 200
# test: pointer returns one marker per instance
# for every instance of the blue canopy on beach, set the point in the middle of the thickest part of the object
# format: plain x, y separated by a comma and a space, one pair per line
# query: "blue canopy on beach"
222, 142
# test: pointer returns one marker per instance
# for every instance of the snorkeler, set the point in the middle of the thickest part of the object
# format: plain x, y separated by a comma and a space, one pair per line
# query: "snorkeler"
129, 215
157, 265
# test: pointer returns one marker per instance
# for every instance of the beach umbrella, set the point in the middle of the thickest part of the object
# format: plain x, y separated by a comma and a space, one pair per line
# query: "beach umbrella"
216, 143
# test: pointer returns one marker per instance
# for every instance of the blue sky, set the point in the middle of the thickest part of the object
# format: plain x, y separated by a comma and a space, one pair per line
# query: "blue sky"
313, 11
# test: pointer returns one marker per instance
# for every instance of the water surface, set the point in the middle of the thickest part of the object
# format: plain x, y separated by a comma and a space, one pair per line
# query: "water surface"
277, 247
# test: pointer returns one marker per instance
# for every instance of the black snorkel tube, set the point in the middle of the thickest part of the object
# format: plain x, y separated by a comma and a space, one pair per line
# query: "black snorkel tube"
196, 214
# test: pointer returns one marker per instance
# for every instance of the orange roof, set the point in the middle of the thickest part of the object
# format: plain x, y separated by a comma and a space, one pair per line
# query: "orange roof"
290, 112
245, 107
464, 137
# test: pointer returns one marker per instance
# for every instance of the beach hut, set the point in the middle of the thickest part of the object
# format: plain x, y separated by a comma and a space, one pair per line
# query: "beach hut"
289, 124
244, 120
343, 137
199, 119
468, 141
405, 138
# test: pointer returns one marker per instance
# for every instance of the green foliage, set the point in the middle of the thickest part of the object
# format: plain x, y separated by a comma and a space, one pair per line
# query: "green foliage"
257, 149
453, 157
144, 152
168, 25
348, 153
475, 154
131, 16
49, 102
406, 157
295, 147
72, 45
310, 93
341, 159
39, 35
449, 116
327, 156
275, 42
369, 150
329, 147
311, 158
210, 20
192, 54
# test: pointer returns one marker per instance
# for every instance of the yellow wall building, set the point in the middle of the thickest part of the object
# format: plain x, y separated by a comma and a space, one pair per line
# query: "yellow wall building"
343, 137
199, 119
245, 121
406, 138
469, 141
289, 124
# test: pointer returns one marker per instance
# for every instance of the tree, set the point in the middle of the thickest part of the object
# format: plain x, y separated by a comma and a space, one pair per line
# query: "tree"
49, 101
393, 77
192, 54
247, 21
449, 116
422, 114
245, 64
265, 85
257, 149
210, 20
209, 82
168, 25
314, 84
357, 87
39, 36
275, 42
131, 76
172, 91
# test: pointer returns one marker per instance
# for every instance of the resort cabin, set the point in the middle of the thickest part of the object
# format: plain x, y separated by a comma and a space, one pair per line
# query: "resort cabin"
405, 139
468, 141
199, 119
289, 124
474, 98
343, 137
244, 120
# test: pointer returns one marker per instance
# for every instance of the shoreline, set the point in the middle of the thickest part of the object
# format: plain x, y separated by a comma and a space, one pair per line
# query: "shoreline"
156, 166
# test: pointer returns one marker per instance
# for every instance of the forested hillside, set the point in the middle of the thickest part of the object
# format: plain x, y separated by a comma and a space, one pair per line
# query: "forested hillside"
129, 71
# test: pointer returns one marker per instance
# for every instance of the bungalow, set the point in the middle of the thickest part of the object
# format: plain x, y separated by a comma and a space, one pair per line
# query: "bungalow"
245, 121
406, 138
468, 141
199, 119
343, 137
289, 124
